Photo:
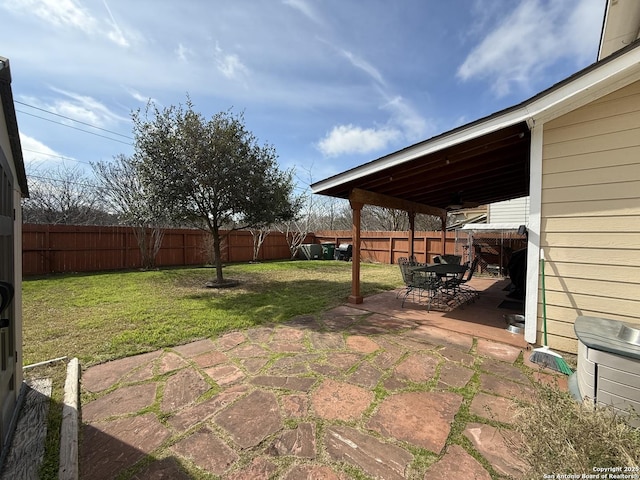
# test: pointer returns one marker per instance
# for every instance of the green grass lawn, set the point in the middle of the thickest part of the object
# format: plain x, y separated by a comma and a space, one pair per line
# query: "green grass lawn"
102, 316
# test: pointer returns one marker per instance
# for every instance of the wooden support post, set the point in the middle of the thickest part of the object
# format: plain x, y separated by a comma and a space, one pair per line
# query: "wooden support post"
443, 218
412, 232
355, 296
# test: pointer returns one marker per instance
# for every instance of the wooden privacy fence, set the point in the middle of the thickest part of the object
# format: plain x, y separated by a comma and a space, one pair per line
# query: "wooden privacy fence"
68, 248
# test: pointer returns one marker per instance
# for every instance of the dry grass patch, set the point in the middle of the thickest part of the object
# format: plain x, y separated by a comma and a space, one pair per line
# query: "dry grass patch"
563, 436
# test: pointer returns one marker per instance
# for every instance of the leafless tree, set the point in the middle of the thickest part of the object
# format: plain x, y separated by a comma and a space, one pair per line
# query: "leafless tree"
259, 234
64, 195
124, 193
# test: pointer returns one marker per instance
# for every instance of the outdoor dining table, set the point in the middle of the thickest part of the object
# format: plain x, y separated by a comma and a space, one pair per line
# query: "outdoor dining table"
445, 289
441, 269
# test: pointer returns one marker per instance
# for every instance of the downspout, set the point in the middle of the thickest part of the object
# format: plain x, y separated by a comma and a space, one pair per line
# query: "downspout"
533, 244
355, 296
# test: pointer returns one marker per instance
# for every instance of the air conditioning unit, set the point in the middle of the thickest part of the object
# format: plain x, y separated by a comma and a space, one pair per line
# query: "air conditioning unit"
608, 365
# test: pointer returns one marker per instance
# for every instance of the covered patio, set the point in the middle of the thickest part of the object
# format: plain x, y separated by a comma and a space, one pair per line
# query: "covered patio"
482, 318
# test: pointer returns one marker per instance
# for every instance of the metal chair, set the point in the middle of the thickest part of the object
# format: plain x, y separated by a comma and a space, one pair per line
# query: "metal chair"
459, 284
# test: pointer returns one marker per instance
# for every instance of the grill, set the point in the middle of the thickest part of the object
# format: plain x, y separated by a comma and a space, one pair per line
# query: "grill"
344, 251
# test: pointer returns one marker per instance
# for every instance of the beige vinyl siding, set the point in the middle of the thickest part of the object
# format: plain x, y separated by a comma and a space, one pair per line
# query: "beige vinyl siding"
510, 211
590, 214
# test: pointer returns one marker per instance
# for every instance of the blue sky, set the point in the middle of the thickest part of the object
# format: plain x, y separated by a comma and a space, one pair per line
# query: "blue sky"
331, 84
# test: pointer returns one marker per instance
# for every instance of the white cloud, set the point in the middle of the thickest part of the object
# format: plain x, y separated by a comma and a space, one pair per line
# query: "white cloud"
115, 33
56, 12
183, 52
413, 125
140, 98
306, 9
80, 107
34, 151
364, 66
534, 36
346, 139
230, 65
70, 13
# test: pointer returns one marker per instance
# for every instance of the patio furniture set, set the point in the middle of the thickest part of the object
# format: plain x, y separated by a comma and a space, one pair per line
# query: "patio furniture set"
443, 284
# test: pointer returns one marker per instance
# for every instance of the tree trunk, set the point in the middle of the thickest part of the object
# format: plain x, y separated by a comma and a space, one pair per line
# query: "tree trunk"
217, 253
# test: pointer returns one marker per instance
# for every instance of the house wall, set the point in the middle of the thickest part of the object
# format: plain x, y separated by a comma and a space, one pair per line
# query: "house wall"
590, 214
510, 211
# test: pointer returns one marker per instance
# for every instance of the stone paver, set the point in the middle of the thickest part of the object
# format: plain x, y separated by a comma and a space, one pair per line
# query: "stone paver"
420, 418
192, 349
195, 414
207, 451
103, 376
166, 468
171, 361
362, 344
251, 419
506, 388
495, 408
299, 442
457, 463
498, 447
109, 448
259, 469
296, 401
503, 369
340, 401
121, 401
452, 375
182, 389
417, 368
498, 350
376, 458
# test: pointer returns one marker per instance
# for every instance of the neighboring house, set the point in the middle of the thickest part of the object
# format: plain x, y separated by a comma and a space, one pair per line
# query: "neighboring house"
510, 211
574, 150
13, 186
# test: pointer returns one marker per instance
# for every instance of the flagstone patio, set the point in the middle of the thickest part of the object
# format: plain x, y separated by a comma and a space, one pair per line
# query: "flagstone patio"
373, 389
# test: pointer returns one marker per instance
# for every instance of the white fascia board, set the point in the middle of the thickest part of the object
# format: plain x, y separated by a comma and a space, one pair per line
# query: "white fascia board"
600, 81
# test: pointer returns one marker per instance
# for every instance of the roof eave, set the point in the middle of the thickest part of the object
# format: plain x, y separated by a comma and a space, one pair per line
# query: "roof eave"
9, 111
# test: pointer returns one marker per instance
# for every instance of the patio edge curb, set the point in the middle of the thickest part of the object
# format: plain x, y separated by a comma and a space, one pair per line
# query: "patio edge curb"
68, 469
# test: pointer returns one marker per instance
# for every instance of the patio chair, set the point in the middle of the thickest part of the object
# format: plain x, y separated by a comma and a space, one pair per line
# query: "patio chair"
459, 285
418, 283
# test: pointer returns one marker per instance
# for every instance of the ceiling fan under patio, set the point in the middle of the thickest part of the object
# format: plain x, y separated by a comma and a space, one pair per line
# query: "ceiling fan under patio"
457, 203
